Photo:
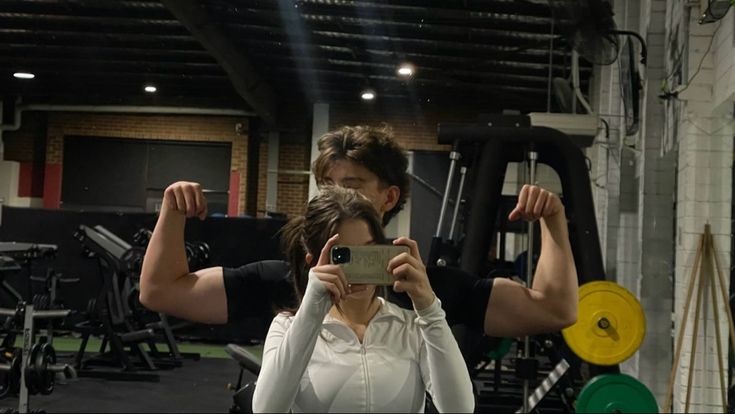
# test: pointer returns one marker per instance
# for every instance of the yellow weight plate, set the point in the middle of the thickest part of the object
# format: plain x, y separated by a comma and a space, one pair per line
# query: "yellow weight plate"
610, 324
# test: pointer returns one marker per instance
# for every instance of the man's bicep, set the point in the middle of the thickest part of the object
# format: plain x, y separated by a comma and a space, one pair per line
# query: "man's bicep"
198, 297
513, 310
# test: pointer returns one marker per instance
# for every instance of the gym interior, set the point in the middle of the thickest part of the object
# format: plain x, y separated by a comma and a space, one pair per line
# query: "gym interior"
622, 107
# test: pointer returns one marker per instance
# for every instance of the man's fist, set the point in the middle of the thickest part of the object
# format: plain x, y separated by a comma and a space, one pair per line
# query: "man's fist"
534, 203
186, 198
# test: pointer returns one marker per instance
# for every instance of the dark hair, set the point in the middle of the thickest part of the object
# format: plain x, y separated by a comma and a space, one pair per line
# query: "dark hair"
310, 232
372, 147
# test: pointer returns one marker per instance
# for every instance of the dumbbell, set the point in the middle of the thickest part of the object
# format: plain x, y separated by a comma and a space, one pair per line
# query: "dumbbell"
10, 374
42, 369
41, 302
142, 237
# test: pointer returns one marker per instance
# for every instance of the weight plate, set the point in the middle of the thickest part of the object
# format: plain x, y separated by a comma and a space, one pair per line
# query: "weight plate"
5, 376
15, 367
616, 393
46, 379
610, 324
31, 380
501, 349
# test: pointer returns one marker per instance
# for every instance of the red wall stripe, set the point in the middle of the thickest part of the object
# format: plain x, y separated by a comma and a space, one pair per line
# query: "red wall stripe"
25, 181
52, 186
234, 197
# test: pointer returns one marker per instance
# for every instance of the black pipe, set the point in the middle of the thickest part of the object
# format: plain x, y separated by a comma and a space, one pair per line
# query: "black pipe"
506, 144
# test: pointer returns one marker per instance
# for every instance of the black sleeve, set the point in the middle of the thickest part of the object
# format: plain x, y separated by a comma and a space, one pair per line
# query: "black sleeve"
464, 296
258, 289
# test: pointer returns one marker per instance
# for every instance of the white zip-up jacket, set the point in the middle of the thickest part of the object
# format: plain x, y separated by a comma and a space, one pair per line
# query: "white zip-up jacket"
315, 363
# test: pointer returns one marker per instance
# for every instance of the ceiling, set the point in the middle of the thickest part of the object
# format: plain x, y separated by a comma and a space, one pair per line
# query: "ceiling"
258, 55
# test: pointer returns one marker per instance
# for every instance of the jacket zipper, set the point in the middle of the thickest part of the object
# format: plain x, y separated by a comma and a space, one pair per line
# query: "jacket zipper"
363, 356
367, 379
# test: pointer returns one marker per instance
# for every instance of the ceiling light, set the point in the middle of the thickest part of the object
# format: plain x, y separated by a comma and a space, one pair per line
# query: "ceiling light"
368, 95
24, 75
405, 70
150, 88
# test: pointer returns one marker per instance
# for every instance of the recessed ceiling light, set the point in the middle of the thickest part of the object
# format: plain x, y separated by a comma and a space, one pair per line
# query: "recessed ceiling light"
150, 89
24, 75
405, 70
368, 95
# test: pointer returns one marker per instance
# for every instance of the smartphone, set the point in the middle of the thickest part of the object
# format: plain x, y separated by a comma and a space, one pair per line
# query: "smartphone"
366, 264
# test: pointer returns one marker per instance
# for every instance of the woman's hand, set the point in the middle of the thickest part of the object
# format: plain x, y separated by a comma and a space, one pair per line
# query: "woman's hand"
330, 275
410, 276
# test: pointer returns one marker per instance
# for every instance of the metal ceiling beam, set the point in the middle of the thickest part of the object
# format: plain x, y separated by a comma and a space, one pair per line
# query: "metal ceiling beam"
91, 23
467, 41
106, 53
118, 8
447, 82
421, 19
511, 72
111, 97
80, 91
123, 82
513, 7
419, 57
77, 63
63, 37
247, 82
497, 66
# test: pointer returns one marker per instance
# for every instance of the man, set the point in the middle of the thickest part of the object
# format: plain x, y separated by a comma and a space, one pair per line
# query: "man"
370, 161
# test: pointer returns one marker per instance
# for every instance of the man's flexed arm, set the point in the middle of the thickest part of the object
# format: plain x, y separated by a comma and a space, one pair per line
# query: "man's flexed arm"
551, 303
166, 284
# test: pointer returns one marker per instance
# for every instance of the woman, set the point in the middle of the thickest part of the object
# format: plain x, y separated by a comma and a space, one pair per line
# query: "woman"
346, 349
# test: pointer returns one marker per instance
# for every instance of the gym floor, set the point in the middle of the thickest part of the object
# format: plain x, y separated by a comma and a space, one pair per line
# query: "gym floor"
196, 387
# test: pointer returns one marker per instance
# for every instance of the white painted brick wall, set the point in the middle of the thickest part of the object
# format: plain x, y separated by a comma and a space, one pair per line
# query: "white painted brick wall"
704, 193
704, 196
700, 169
724, 60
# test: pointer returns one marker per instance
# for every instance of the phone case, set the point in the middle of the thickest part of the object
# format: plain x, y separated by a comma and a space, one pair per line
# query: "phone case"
368, 264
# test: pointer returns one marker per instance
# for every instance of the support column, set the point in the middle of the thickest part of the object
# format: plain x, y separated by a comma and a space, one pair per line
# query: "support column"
271, 195
319, 127
656, 210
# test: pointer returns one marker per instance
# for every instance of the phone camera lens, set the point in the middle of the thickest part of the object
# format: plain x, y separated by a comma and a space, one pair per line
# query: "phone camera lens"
341, 255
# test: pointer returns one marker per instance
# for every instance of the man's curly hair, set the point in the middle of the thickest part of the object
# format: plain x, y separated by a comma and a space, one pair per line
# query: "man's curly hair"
372, 147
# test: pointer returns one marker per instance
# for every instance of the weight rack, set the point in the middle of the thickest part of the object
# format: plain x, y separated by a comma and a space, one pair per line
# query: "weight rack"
28, 315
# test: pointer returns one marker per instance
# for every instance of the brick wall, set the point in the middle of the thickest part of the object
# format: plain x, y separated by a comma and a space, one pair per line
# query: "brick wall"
163, 127
19, 145
414, 130
724, 60
293, 189
704, 195
27, 146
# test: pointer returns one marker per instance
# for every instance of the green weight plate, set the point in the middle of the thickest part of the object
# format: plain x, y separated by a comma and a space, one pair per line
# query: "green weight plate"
501, 349
615, 393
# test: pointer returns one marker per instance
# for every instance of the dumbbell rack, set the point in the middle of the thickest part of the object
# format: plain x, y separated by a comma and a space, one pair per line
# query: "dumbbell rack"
28, 314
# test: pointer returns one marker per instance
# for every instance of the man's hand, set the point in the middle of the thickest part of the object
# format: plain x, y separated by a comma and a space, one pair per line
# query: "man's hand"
186, 198
534, 203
